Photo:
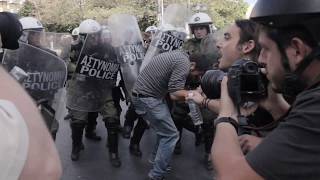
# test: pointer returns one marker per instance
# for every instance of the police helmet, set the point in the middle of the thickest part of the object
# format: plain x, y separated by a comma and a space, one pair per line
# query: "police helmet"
31, 23
151, 29
201, 19
75, 31
105, 33
288, 13
89, 26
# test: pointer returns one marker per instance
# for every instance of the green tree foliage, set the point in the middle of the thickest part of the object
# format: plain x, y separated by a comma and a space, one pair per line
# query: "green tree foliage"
28, 9
64, 15
225, 12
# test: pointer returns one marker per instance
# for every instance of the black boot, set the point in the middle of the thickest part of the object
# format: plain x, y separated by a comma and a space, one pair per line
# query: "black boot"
114, 159
135, 150
77, 145
208, 163
178, 149
126, 132
93, 136
111, 125
91, 127
199, 136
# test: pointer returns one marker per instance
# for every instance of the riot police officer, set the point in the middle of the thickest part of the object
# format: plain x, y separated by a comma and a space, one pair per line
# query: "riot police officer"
148, 35
90, 89
76, 46
202, 29
202, 45
32, 28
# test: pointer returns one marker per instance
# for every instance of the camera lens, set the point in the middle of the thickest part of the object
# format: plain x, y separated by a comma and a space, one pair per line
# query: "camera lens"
211, 82
250, 67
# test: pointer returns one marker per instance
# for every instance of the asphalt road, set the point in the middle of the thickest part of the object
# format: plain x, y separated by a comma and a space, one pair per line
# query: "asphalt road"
94, 161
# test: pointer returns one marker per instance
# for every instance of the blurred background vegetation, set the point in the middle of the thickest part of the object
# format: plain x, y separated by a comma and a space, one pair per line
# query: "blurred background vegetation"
64, 15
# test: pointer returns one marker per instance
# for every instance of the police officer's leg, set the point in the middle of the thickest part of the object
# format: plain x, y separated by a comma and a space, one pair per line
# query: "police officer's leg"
179, 126
137, 136
130, 117
197, 130
117, 97
77, 124
91, 126
54, 128
48, 114
111, 120
208, 132
179, 112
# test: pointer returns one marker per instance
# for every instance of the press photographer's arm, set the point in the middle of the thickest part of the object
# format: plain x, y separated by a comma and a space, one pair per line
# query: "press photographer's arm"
228, 159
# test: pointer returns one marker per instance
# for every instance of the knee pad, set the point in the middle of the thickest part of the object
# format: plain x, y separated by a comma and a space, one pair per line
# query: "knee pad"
77, 123
112, 123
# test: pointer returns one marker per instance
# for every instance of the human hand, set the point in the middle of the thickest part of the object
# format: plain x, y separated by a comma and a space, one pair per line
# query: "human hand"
248, 142
248, 108
195, 96
227, 107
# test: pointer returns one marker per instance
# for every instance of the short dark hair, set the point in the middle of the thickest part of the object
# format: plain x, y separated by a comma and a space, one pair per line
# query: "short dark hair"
249, 31
202, 61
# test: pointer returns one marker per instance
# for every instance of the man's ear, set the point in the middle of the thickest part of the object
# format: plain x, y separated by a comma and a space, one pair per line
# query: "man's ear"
248, 46
192, 66
298, 50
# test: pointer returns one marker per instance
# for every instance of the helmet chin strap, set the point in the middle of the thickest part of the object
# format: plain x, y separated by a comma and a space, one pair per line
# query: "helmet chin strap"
293, 83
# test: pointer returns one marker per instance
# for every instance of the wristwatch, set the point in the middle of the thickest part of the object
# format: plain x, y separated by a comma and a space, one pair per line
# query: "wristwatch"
230, 120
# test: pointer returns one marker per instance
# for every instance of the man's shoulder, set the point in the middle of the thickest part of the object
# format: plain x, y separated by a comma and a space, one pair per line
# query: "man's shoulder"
308, 97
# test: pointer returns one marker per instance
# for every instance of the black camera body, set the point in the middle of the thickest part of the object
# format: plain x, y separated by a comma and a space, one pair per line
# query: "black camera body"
245, 82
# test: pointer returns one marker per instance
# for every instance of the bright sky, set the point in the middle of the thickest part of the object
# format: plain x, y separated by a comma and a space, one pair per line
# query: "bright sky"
251, 1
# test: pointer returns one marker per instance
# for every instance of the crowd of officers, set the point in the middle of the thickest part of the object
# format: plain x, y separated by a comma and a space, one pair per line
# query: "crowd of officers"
201, 45
286, 47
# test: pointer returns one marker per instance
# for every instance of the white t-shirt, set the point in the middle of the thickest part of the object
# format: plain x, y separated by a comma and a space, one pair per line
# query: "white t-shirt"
14, 141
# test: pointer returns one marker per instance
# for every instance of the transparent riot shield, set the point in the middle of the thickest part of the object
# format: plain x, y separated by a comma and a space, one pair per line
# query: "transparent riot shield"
171, 33
46, 72
58, 43
95, 75
127, 39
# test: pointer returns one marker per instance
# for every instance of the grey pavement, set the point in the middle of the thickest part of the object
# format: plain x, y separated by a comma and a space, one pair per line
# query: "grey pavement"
94, 161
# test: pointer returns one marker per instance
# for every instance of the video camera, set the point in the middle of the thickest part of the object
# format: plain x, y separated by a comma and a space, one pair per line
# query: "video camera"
245, 82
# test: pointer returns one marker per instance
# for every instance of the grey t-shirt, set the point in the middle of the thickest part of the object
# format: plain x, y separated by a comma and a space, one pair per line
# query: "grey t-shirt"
292, 151
166, 72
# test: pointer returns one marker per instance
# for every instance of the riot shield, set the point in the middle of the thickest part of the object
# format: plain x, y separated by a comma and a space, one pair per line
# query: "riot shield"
171, 33
95, 75
56, 43
127, 39
46, 72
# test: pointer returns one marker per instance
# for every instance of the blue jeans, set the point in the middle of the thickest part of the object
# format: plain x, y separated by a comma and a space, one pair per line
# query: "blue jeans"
156, 111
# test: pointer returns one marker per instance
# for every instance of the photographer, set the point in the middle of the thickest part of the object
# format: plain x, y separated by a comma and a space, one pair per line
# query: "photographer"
239, 42
290, 50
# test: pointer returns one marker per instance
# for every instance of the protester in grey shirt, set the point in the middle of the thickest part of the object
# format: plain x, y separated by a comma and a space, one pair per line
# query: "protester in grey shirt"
166, 73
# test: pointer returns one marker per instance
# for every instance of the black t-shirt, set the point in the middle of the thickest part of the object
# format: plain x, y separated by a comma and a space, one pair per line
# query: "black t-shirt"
292, 151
